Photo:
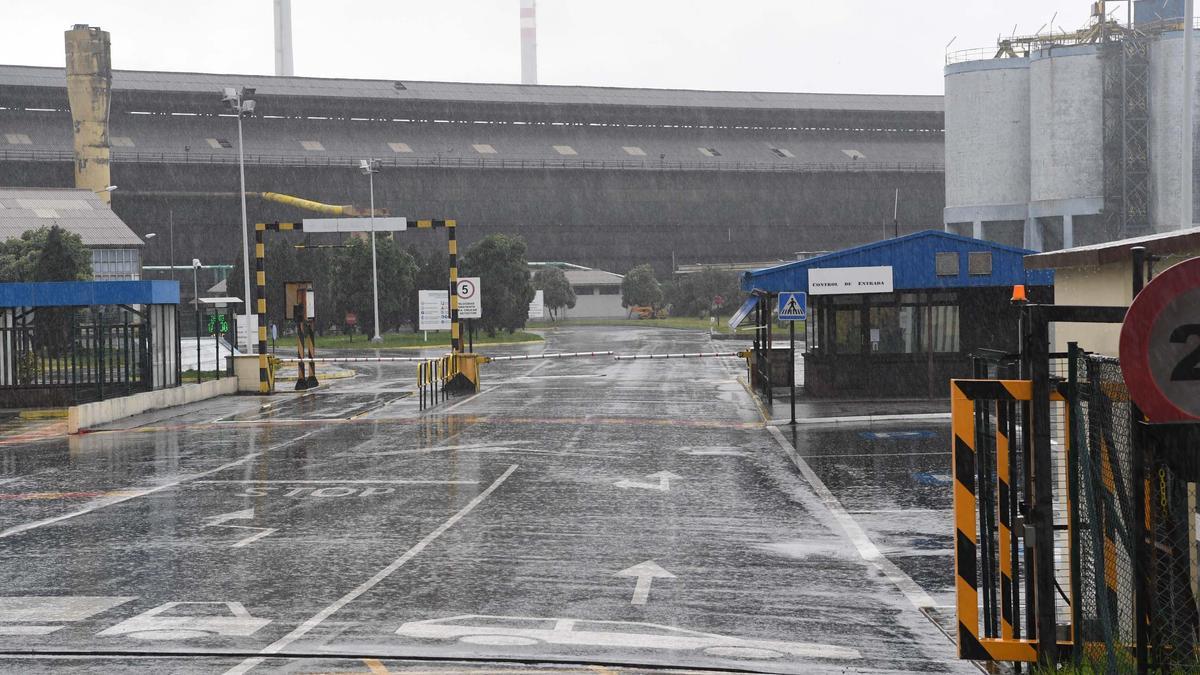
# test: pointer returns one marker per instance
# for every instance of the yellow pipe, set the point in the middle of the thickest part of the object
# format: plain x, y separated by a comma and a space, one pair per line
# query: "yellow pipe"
310, 205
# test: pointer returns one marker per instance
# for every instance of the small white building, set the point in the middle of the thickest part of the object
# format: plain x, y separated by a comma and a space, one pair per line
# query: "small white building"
597, 294
1102, 274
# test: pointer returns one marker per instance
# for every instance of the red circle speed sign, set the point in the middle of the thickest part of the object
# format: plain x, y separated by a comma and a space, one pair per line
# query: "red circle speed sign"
1160, 345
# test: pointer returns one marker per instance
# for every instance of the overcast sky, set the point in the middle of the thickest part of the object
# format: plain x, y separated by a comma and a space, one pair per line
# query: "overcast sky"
857, 46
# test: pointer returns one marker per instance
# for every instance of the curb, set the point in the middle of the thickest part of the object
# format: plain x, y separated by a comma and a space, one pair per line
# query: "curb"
859, 419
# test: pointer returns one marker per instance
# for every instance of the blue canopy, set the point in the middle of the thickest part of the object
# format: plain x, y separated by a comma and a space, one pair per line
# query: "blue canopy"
913, 262
88, 293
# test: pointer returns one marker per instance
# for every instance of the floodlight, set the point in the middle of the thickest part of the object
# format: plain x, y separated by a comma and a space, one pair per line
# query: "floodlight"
248, 106
195, 263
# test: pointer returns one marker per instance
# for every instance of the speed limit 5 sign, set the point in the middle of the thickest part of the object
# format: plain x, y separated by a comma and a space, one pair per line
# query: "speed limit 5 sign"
1160, 345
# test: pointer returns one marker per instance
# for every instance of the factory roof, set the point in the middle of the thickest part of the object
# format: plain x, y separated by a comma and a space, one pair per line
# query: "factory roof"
405, 90
1163, 244
593, 278
79, 211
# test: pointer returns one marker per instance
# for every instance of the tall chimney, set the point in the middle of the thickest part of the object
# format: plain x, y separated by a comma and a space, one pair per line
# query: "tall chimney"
89, 90
283, 37
528, 41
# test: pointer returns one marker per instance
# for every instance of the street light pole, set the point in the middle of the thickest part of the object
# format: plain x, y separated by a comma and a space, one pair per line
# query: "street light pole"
370, 167
245, 236
238, 101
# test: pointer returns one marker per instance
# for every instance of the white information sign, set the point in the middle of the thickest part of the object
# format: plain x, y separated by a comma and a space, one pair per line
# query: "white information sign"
848, 280
469, 306
537, 308
434, 310
354, 224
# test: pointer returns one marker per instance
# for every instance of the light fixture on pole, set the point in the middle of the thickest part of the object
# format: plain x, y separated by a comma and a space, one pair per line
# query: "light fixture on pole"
370, 167
240, 102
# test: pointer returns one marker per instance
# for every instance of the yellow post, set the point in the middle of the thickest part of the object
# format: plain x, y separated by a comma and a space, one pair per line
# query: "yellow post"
89, 90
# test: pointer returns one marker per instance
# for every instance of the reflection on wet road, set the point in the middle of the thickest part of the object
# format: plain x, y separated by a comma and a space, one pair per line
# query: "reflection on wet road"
619, 514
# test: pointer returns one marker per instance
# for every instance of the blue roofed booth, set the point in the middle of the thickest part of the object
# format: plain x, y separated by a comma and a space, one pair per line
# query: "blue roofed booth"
895, 318
69, 342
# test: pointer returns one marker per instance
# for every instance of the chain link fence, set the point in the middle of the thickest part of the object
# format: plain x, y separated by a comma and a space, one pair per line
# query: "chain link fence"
1105, 544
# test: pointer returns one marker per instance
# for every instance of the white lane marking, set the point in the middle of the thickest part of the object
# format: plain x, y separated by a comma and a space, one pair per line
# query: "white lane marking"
663, 484
244, 514
645, 572
110, 501
316, 619
265, 531
869, 552
340, 482
150, 625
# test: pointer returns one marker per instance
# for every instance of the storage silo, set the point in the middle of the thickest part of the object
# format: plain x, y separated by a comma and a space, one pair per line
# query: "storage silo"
987, 148
1066, 169
1166, 129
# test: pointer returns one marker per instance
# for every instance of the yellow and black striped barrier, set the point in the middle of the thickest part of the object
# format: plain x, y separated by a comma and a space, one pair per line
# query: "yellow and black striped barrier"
978, 640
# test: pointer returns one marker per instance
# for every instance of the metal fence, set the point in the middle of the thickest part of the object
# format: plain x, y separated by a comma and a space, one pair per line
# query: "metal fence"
67, 355
208, 337
488, 162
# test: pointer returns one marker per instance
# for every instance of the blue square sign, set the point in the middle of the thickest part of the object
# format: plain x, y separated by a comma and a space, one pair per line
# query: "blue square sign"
793, 306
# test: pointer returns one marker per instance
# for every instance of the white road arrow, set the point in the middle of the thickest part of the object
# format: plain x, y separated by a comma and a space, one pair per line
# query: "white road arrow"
645, 572
244, 514
663, 484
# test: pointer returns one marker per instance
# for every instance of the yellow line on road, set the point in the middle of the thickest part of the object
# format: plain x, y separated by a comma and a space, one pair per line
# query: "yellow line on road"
376, 666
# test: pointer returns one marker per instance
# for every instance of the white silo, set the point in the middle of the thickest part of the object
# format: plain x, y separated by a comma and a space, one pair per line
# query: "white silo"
1066, 168
1166, 129
987, 148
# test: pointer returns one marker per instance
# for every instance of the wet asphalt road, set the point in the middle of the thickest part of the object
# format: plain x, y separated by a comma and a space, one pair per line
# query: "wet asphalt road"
579, 511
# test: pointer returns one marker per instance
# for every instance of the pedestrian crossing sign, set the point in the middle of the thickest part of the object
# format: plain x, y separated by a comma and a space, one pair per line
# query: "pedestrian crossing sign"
793, 306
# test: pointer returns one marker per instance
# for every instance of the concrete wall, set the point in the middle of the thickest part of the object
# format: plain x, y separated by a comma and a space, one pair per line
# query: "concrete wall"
987, 134
88, 415
1166, 130
607, 219
1066, 124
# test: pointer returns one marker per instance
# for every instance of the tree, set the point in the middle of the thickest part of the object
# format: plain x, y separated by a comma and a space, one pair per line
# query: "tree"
695, 294
45, 254
556, 290
499, 261
641, 289
351, 285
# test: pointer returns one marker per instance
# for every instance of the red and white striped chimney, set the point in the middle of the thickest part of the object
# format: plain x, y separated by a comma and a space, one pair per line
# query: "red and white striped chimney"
528, 41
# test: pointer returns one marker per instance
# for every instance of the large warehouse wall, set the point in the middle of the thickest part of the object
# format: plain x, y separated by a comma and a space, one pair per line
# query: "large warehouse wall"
611, 219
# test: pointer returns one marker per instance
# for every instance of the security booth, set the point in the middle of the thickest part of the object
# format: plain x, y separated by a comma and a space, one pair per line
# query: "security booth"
64, 343
899, 318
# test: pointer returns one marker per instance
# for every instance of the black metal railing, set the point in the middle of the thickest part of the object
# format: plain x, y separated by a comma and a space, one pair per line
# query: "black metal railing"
349, 161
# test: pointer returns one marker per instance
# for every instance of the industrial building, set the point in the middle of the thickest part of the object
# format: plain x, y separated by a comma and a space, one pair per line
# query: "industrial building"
1066, 139
116, 250
606, 177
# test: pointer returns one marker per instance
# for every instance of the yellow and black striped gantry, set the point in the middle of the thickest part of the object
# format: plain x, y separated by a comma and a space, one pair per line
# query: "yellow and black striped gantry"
260, 290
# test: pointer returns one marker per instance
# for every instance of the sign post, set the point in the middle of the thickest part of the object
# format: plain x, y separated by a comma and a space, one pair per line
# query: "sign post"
793, 307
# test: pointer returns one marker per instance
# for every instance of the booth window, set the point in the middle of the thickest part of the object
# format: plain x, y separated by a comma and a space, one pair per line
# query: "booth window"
946, 264
979, 263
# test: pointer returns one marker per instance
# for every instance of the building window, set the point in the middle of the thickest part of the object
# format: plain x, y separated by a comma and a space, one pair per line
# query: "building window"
18, 139
633, 150
400, 147
584, 290
782, 152
121, 142
979, 263
484, 149
709, 152
854, 154
314, 146
116, 264
946, 264
565, 150
215, 143
610, 290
